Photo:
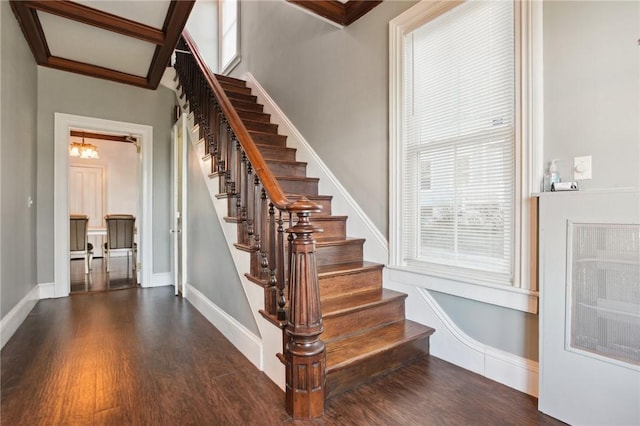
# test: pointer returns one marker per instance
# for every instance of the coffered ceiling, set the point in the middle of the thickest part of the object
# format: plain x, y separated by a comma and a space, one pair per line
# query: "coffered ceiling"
125, 41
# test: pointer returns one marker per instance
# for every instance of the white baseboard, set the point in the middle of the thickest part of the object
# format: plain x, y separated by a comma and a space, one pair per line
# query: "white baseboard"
455, 346
511, 370
16, 316
46, 290
160, 279
246, 342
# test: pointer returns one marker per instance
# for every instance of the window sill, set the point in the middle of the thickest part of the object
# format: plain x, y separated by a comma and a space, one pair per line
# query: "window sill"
505, 296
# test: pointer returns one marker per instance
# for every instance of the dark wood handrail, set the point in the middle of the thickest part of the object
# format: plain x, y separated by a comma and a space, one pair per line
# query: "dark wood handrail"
269, 182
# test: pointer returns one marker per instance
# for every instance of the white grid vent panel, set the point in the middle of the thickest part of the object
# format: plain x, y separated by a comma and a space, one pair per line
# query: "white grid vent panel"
604, 289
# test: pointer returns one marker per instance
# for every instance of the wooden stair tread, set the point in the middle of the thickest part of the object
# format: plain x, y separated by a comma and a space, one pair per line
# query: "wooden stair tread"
298, 178
340, 242
260, 126
273, 147
357, 301
240, 104
241, 96
328, 218
284, 162
231, 88
253, 116
345, 352
231, 80
347, 268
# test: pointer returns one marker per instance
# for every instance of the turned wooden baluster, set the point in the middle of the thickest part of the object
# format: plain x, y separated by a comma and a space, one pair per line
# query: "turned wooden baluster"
305, 357
237, 193
248, 205
271, 306
214, 137
242, 199
255, 214
222, 147
264, 236
228, 180
281, 314
206, 120
256, 255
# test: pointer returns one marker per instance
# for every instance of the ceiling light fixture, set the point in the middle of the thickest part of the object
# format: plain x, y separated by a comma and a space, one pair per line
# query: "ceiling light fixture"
83, 150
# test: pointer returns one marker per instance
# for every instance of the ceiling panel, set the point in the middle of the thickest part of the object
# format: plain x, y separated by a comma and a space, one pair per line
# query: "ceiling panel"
151, 13
91, 45
125, 41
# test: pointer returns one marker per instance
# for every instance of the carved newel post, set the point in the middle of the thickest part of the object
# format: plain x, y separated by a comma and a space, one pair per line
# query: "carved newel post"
305, 352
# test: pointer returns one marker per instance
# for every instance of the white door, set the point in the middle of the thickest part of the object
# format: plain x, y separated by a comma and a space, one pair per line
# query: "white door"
590, 307
86, 196
179, 142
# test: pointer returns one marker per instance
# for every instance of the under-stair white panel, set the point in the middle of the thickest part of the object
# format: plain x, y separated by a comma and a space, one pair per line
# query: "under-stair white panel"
589, 293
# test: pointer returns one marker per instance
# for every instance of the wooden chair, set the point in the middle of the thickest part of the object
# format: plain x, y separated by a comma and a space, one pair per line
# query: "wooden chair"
79, 245
120, 238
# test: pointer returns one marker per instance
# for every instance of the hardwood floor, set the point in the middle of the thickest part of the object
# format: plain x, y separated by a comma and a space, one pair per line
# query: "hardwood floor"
98, 278
146, 357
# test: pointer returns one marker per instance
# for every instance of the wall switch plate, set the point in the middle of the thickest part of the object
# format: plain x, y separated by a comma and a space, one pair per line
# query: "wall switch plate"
582, 168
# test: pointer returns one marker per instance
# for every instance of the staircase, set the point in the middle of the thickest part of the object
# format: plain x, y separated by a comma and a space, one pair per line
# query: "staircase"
365, 330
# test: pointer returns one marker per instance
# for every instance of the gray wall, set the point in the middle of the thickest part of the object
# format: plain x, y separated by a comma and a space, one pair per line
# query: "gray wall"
592, 89
69, 93
503, 328
333, 85
210, 267
18, 122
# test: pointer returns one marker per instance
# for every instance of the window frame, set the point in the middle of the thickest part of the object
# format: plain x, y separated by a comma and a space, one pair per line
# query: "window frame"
226, 68
522, 295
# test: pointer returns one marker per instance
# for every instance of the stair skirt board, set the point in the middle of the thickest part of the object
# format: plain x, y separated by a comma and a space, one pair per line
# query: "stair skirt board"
248, 343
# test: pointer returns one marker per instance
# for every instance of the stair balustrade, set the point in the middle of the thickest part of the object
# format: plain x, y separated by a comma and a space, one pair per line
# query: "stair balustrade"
256, 202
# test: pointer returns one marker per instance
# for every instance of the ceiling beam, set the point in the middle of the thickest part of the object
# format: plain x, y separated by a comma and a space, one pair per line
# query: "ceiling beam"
95, 71
32, 30
174, 23
98, 18
341, 13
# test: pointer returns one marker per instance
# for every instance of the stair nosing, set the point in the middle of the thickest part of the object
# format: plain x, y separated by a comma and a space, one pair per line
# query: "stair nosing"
339, 241
298, 178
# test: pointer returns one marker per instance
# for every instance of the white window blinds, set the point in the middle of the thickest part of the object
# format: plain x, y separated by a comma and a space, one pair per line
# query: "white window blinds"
458, 142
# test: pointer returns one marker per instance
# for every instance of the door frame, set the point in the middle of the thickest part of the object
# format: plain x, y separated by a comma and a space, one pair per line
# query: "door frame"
63, 124
180, 280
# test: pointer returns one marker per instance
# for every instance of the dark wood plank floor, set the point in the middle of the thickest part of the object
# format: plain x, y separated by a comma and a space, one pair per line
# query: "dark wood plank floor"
98, 279
146, 357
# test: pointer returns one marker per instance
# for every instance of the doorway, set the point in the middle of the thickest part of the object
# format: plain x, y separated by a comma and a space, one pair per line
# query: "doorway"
100, 185
64, 124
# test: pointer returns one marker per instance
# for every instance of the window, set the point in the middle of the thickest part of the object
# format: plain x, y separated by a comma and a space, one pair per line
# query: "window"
228, 35
459, 145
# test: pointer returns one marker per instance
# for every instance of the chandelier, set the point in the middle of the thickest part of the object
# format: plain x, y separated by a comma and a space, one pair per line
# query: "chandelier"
83, 150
